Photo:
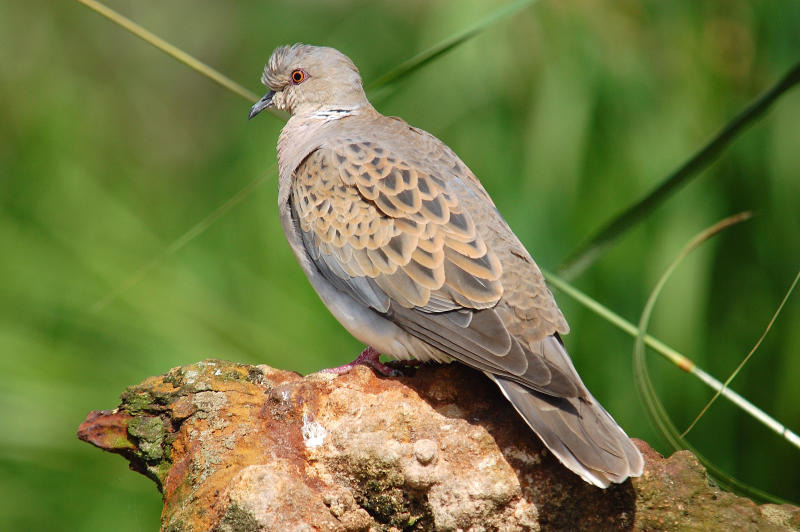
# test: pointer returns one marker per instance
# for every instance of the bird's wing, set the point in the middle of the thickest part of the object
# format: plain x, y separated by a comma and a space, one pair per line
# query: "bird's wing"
392, 234
416, 238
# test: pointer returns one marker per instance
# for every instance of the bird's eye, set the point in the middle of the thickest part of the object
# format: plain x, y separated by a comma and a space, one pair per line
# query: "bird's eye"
298, 76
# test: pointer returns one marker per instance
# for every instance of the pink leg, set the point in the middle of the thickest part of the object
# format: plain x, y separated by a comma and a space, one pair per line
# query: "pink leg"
368, 357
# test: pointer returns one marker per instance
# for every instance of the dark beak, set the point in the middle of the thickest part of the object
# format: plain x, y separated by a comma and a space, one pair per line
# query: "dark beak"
263, 103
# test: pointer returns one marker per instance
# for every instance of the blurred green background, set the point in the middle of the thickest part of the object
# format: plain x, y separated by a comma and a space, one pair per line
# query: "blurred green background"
567, 111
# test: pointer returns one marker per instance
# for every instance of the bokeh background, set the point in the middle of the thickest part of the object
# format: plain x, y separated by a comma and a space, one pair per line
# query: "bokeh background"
110, 151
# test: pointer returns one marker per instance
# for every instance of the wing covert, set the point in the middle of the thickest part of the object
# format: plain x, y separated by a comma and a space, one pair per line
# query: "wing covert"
395, 238
367, 214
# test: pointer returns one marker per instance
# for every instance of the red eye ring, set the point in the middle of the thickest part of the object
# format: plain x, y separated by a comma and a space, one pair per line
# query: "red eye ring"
298, 76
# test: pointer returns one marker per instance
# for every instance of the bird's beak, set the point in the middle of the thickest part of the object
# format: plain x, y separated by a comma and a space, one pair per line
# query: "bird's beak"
263, 103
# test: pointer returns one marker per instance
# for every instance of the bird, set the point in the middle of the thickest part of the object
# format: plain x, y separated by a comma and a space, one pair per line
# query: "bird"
410, 254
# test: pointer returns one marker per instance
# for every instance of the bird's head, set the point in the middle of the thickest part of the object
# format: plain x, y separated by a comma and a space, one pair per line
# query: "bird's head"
305, 79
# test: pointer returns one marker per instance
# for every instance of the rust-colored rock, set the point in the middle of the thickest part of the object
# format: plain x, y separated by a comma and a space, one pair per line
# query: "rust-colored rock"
239, 448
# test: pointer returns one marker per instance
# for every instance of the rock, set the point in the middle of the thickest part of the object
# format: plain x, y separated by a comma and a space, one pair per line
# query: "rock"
240, 448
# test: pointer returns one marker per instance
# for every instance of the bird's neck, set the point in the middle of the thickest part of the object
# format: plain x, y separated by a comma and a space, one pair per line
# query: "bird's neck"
303, 134
331, 112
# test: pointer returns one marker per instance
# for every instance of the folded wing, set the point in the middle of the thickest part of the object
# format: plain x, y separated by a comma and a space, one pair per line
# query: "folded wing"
392, 233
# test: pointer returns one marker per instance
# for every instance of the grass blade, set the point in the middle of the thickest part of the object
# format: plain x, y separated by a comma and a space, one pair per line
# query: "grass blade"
673, 356
746, 358
413, 64
591, 250
644, 385
653, 406
178, 244
169, 49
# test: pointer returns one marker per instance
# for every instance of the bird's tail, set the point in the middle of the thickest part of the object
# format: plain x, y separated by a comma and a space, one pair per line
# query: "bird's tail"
579, 431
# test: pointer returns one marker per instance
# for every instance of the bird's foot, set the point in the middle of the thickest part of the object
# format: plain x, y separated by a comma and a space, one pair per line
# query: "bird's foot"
368, 357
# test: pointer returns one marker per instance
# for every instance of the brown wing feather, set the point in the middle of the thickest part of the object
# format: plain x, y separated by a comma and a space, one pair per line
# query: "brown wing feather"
397, 239
368, 217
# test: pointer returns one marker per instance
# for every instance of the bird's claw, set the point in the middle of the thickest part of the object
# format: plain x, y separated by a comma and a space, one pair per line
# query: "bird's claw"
368, 357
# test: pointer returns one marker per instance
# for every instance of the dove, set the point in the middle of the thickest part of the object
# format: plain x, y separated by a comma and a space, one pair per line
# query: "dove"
410, 254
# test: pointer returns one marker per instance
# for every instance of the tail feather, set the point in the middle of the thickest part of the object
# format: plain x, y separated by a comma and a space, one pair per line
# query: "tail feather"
578, 431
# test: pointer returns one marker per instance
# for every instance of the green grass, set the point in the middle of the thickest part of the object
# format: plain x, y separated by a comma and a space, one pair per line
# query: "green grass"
568, 112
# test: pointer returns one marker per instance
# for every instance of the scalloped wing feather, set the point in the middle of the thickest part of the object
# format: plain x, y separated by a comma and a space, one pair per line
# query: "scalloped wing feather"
367, 217
398, 239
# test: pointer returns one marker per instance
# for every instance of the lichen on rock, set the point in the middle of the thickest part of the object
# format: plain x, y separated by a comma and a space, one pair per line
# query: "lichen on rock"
236, 447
